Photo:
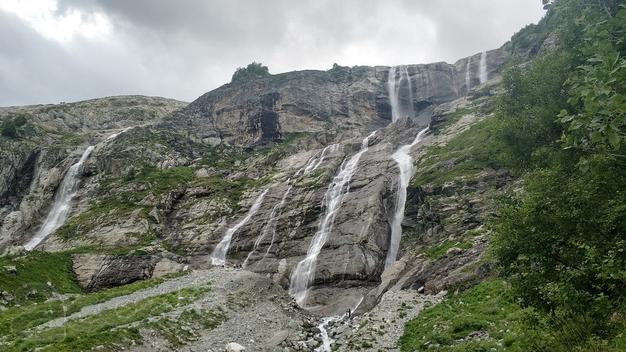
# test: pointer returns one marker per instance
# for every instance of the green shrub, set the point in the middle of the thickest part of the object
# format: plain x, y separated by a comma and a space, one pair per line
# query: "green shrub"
20, 120
8, 129
253, 70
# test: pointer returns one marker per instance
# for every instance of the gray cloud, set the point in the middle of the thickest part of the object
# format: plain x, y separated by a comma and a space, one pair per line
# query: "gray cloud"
183, 48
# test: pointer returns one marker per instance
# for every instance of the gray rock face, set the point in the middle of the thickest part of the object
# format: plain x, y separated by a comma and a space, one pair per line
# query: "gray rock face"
178, 183
52, 139
98, 271
340, 103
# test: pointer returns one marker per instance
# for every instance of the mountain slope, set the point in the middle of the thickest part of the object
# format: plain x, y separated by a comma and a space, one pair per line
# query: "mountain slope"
267, 161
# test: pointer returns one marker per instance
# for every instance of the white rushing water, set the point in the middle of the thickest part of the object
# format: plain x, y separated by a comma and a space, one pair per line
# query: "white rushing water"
400, 93
270, 226
314, 163
326, 340
403, 159
483, 74
218, 257
62, 202
468, 80
114, 135
304, 272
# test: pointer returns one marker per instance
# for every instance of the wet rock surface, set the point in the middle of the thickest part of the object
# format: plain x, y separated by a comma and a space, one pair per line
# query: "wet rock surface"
165, 192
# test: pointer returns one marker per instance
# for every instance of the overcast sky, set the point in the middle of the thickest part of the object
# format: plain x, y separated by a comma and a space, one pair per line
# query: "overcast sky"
68, 50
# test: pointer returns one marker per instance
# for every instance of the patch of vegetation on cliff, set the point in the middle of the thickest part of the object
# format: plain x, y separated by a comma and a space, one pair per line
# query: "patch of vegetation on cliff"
439, 251
465, 155
449, 119
113, 329
159, 181
483, 318
25, 278
252, 71
105, 212
15, 126
230, 190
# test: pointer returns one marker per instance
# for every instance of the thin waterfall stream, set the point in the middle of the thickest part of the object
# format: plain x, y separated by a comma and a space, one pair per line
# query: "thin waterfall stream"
483, 75
270, 226
304, 272
468, 80
63, 198
401, 109
218, 257
400, 93
62, 202
403, 159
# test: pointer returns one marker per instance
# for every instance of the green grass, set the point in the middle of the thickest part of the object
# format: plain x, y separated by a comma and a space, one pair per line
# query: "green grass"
178, 331
104, 212
465, 155
163, 180
17, 319
487, 308
438, 251
33, 272
450, 118
113, 329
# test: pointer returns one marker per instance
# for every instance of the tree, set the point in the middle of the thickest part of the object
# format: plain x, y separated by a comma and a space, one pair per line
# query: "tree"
252, 71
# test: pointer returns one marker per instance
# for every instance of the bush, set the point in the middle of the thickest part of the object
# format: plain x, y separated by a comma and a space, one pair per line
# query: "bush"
8, 129
527, 111
20, 120
253, 70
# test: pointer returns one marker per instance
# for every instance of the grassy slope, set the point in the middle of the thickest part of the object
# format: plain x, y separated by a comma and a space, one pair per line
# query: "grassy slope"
483, 318
113, 329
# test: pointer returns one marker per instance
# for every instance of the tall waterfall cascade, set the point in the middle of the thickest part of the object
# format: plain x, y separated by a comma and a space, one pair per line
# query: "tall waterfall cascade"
62, 202
270, 226
304, 271
468, 80
218, 257
483, 74
400, 93
403, 159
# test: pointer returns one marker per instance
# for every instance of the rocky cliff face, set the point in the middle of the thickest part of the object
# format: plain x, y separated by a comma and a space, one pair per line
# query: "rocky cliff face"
173, 184
33, 163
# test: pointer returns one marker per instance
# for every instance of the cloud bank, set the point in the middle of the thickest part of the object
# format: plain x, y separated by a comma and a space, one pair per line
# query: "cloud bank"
67, 50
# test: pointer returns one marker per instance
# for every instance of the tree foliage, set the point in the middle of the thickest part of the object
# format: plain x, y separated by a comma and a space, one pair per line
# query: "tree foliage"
597, 89
526, 112
253, 70
561, 239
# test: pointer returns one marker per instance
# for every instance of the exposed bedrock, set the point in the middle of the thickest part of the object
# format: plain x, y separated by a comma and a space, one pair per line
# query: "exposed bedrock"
179, 181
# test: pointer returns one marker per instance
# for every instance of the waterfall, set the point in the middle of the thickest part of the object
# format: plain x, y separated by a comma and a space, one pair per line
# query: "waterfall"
218, 257
400, 93
468, 80
61, 206
270, 226
404, 161
483, 74
326, 340
114, 135
275, 222
304, 272
314, 163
